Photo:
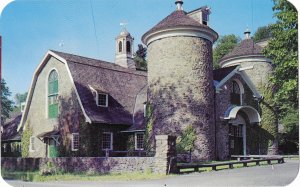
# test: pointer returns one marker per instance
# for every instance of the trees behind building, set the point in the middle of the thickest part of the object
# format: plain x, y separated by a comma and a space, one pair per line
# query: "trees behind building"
140, 57
6, 103
223, 46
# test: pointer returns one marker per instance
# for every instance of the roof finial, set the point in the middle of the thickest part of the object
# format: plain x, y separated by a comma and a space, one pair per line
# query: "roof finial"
123, 25
179, 4
247, 33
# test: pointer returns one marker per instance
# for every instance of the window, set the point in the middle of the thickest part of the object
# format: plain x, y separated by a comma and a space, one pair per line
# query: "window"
75, 141
19, 147
128, 47
4, 147
235, 87
205, 18
236, 130
235, 93
145, 110
12, 147
31, 144
107, 140
120, 47
53, 95
139, 141
102, 100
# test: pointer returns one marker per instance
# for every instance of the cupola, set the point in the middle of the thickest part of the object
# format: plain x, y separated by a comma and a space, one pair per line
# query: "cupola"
124, 50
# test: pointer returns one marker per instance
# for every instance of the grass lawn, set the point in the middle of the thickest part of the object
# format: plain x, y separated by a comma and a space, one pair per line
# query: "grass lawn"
35, 176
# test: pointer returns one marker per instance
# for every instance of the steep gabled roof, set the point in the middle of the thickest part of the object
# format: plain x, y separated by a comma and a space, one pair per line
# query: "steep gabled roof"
246, 47
221, 73
121, 84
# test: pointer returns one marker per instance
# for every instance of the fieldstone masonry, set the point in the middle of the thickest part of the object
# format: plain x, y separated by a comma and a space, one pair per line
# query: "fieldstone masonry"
180, 79
164, 161
165, 156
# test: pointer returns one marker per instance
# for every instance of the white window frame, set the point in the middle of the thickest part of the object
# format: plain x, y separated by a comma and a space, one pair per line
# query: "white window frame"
135, 140
97, 99
111, 140
32, 144
72, 141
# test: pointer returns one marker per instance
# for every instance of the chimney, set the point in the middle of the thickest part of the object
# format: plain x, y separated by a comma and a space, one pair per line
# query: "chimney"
179, 4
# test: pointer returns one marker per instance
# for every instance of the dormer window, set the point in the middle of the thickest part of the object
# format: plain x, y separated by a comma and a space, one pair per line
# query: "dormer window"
102, 99
205, 18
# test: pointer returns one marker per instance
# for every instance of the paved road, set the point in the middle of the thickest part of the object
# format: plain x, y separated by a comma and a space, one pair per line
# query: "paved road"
276, 175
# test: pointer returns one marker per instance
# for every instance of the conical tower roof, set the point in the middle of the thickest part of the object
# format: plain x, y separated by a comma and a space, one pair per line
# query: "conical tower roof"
245, 48
177, 19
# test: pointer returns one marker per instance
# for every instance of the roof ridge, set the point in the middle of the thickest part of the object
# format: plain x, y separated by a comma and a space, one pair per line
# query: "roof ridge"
82, 56
125, 70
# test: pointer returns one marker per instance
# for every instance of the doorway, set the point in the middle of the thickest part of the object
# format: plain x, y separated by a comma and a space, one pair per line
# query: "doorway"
235, 139
52, 148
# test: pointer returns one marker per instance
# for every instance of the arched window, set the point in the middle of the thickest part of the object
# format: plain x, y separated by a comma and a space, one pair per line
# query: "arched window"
235, 87
236, 93
53, 94
120, 46
128, 47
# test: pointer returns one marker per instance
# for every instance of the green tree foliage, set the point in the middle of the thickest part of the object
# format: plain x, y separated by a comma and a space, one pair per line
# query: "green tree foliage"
149, 137
186, 141
25, 140
223, 46
140, 57
291, 126
20, 98
269, 127
6, 103
263, 33
283, 50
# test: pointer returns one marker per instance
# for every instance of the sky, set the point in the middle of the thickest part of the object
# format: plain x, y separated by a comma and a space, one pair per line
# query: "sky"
30, 28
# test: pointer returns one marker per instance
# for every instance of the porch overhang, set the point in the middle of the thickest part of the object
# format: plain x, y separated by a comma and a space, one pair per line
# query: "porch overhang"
252, 113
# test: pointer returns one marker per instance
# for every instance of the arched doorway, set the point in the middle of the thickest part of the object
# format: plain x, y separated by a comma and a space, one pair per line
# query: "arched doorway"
238, 118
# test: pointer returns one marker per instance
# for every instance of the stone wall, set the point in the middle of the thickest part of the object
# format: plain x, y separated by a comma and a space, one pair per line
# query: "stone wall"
163, 162
181, 90
81, 164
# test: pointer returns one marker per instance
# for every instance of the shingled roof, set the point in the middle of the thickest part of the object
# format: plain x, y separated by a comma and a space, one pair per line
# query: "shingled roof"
10, 128
175, 19
246, 47
121, 84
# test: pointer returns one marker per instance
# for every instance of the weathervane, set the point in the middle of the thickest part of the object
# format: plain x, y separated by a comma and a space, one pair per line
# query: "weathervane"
123, 24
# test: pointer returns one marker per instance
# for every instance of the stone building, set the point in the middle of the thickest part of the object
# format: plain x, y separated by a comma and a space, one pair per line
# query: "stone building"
78, 106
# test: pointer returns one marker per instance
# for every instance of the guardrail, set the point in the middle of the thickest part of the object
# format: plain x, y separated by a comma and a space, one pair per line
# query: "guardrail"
230, 163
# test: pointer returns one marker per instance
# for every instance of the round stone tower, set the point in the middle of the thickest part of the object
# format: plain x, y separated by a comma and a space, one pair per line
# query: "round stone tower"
249, 56
180, 78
